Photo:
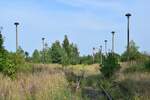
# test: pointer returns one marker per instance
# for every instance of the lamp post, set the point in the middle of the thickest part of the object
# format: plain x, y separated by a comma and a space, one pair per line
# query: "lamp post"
113, 42
16, 24
106, 47
101, 56
43, 60
93, 54
128, 32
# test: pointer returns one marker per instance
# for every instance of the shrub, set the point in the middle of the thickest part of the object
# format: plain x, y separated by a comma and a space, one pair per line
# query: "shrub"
147, 65
110, 65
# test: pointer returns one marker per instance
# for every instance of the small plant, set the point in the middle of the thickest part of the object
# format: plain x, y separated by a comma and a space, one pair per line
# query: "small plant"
110, 65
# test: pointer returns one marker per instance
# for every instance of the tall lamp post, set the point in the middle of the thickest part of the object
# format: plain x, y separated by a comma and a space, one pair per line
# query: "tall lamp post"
113, 42
16, 24
106, 47
101, 56
43, 60
128, 33
93, 54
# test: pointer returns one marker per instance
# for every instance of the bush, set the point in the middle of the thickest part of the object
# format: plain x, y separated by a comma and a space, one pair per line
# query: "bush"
147, 65
110, 65
8, 61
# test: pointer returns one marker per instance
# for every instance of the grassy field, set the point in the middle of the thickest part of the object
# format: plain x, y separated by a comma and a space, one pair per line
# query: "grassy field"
50, 82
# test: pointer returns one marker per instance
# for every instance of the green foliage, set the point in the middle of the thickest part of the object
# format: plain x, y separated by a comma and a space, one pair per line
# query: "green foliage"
56, 52
66, 45
147, 65
86, 60
36, 58
7, 66
65, 59
74, 54
47, 54
110, 65
134, 54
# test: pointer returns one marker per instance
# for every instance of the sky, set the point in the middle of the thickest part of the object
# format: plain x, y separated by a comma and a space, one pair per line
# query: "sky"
87, 23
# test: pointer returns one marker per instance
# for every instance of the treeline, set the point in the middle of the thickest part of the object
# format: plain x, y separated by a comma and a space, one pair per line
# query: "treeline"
64, 53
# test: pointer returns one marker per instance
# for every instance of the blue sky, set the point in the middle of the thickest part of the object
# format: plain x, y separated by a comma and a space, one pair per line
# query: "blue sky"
86, 22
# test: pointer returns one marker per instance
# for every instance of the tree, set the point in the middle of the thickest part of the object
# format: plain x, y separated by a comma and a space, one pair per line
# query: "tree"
110, 65
66, 44
36, 56
56, 52
133, 54
64, 59
86, 60
74, 54
7, 66
47, 53
66, 47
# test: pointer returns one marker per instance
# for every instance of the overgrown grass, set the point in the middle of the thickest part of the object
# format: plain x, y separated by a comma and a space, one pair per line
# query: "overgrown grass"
39, 82
50, 82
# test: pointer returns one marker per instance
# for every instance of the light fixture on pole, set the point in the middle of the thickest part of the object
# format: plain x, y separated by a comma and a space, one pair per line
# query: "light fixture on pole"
106, 47
113, 41
16, 24
43, 60
128, 32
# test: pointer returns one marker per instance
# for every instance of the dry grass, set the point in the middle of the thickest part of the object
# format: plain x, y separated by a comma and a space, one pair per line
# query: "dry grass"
44, 85
43, 82
88, 69
138, 83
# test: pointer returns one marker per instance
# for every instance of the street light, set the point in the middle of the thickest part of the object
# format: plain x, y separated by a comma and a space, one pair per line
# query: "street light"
101, 56
93, 54
113, 33
43, 60
16, 24
106, 47
128, 32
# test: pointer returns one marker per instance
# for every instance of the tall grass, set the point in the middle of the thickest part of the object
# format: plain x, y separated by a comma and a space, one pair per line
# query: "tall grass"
35, 86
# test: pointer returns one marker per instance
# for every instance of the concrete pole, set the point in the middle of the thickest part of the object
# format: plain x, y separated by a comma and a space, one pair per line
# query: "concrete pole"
93, 55
128, 33
43, 57
105, 47
16, 24
101, 55
113, 41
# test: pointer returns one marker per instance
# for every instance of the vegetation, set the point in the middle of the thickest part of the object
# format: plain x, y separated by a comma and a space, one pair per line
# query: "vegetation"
65, 75
110, 65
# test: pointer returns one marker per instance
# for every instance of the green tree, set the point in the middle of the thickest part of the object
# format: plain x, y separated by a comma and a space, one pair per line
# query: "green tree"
7, 66
74, 54
133, 54
86, 59
110, 65
36, 58
64, 59
66, 47
56, 52
48, 58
